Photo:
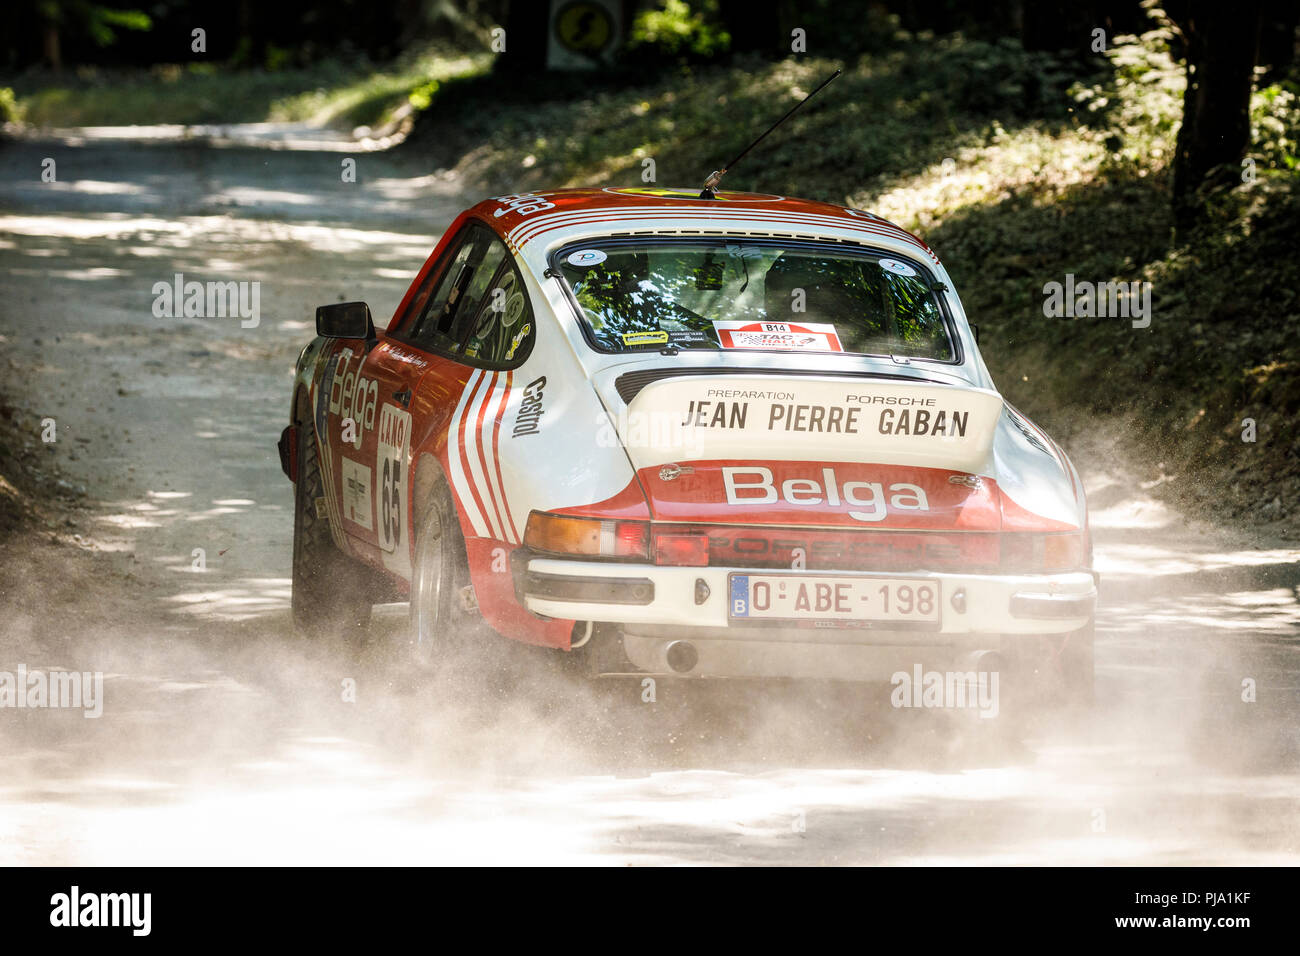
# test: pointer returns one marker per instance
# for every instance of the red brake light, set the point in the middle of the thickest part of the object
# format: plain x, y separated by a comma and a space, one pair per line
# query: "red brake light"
630, 539
682, 550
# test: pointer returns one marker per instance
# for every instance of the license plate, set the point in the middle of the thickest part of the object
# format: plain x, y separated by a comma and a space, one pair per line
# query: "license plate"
844, 600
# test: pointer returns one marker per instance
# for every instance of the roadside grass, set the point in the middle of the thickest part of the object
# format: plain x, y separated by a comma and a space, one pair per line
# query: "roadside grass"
887, 113
330, 93
1019, 169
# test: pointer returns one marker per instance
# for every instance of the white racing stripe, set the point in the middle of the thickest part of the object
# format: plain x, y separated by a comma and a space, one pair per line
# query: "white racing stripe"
472, 440
499, 389
455, 464
526, 231
475, 445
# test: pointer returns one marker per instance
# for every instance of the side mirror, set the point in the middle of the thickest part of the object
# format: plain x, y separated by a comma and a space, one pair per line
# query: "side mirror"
975, 331
345, 320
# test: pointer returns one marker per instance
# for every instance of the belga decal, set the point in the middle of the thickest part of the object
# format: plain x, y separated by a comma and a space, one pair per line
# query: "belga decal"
747, 487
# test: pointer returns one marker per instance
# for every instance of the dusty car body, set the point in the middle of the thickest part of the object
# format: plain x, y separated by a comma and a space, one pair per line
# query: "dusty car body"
742, 436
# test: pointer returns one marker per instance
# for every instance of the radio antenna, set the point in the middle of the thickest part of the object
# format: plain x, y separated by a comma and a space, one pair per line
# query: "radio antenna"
710, 190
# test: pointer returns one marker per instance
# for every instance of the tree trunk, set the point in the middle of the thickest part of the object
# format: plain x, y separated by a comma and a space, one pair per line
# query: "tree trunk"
1221, 43
53, 53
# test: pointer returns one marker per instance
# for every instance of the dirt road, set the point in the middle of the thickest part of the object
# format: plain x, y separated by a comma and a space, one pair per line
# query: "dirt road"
226, 739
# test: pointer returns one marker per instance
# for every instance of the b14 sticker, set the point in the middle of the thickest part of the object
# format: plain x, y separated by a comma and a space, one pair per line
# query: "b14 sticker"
791, 336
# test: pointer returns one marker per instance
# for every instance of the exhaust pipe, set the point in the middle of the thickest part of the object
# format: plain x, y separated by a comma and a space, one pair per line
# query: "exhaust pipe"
681, 656
585, 628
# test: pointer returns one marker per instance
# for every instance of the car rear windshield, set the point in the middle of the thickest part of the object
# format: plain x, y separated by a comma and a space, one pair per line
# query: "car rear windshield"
743, 294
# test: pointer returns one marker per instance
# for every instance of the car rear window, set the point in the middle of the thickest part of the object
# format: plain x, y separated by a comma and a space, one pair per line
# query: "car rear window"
744, 294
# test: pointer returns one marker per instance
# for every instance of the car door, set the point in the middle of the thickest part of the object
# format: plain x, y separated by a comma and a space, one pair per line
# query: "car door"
494, 331
418, 378
371, 414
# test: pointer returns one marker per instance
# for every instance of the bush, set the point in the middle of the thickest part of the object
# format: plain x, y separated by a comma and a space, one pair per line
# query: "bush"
9, 112
675, 32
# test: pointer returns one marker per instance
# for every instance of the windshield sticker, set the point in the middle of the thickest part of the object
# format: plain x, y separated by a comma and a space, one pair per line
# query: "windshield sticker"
585, 258
513, 310
645, 338
518, 340
897, 268
804, 337
685, 336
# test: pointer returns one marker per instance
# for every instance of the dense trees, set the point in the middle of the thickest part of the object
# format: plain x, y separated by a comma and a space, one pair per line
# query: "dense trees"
1221, 47
1222, 44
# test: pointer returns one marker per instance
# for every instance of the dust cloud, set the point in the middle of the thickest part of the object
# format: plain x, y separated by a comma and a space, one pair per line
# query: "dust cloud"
228, 738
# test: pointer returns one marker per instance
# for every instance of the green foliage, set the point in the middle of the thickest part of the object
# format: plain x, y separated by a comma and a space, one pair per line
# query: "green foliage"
351, 94
1275, 126
673, 30
102, 22
982, 77
887, 115
9, 112
98, 22
422, 96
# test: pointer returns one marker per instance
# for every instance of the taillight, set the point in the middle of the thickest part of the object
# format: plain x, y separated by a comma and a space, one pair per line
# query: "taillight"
1063, 551
1056, 551
682, 550
598, 537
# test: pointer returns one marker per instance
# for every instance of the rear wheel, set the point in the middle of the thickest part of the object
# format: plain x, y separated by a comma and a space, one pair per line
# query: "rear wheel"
438, 624
1051, 682
1076, 665
329, 588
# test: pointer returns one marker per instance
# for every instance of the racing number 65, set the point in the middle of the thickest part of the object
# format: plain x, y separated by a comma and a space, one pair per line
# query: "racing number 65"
390, 515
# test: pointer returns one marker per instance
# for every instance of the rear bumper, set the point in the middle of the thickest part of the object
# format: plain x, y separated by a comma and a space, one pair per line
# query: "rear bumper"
984, 618
643, 594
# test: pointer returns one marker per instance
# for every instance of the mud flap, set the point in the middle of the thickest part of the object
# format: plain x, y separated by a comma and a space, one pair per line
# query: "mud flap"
288, 446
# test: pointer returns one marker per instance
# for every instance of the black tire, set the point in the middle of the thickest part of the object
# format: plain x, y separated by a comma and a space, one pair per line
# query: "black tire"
330, 596
1052, 684
439, 628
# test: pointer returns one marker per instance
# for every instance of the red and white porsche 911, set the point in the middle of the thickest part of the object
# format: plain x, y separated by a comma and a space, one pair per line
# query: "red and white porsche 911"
732, 436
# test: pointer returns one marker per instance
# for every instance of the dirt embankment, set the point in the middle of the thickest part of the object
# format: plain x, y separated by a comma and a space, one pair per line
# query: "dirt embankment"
50, 572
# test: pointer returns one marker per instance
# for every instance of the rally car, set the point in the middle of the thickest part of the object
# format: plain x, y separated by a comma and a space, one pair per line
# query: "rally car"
671, 433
